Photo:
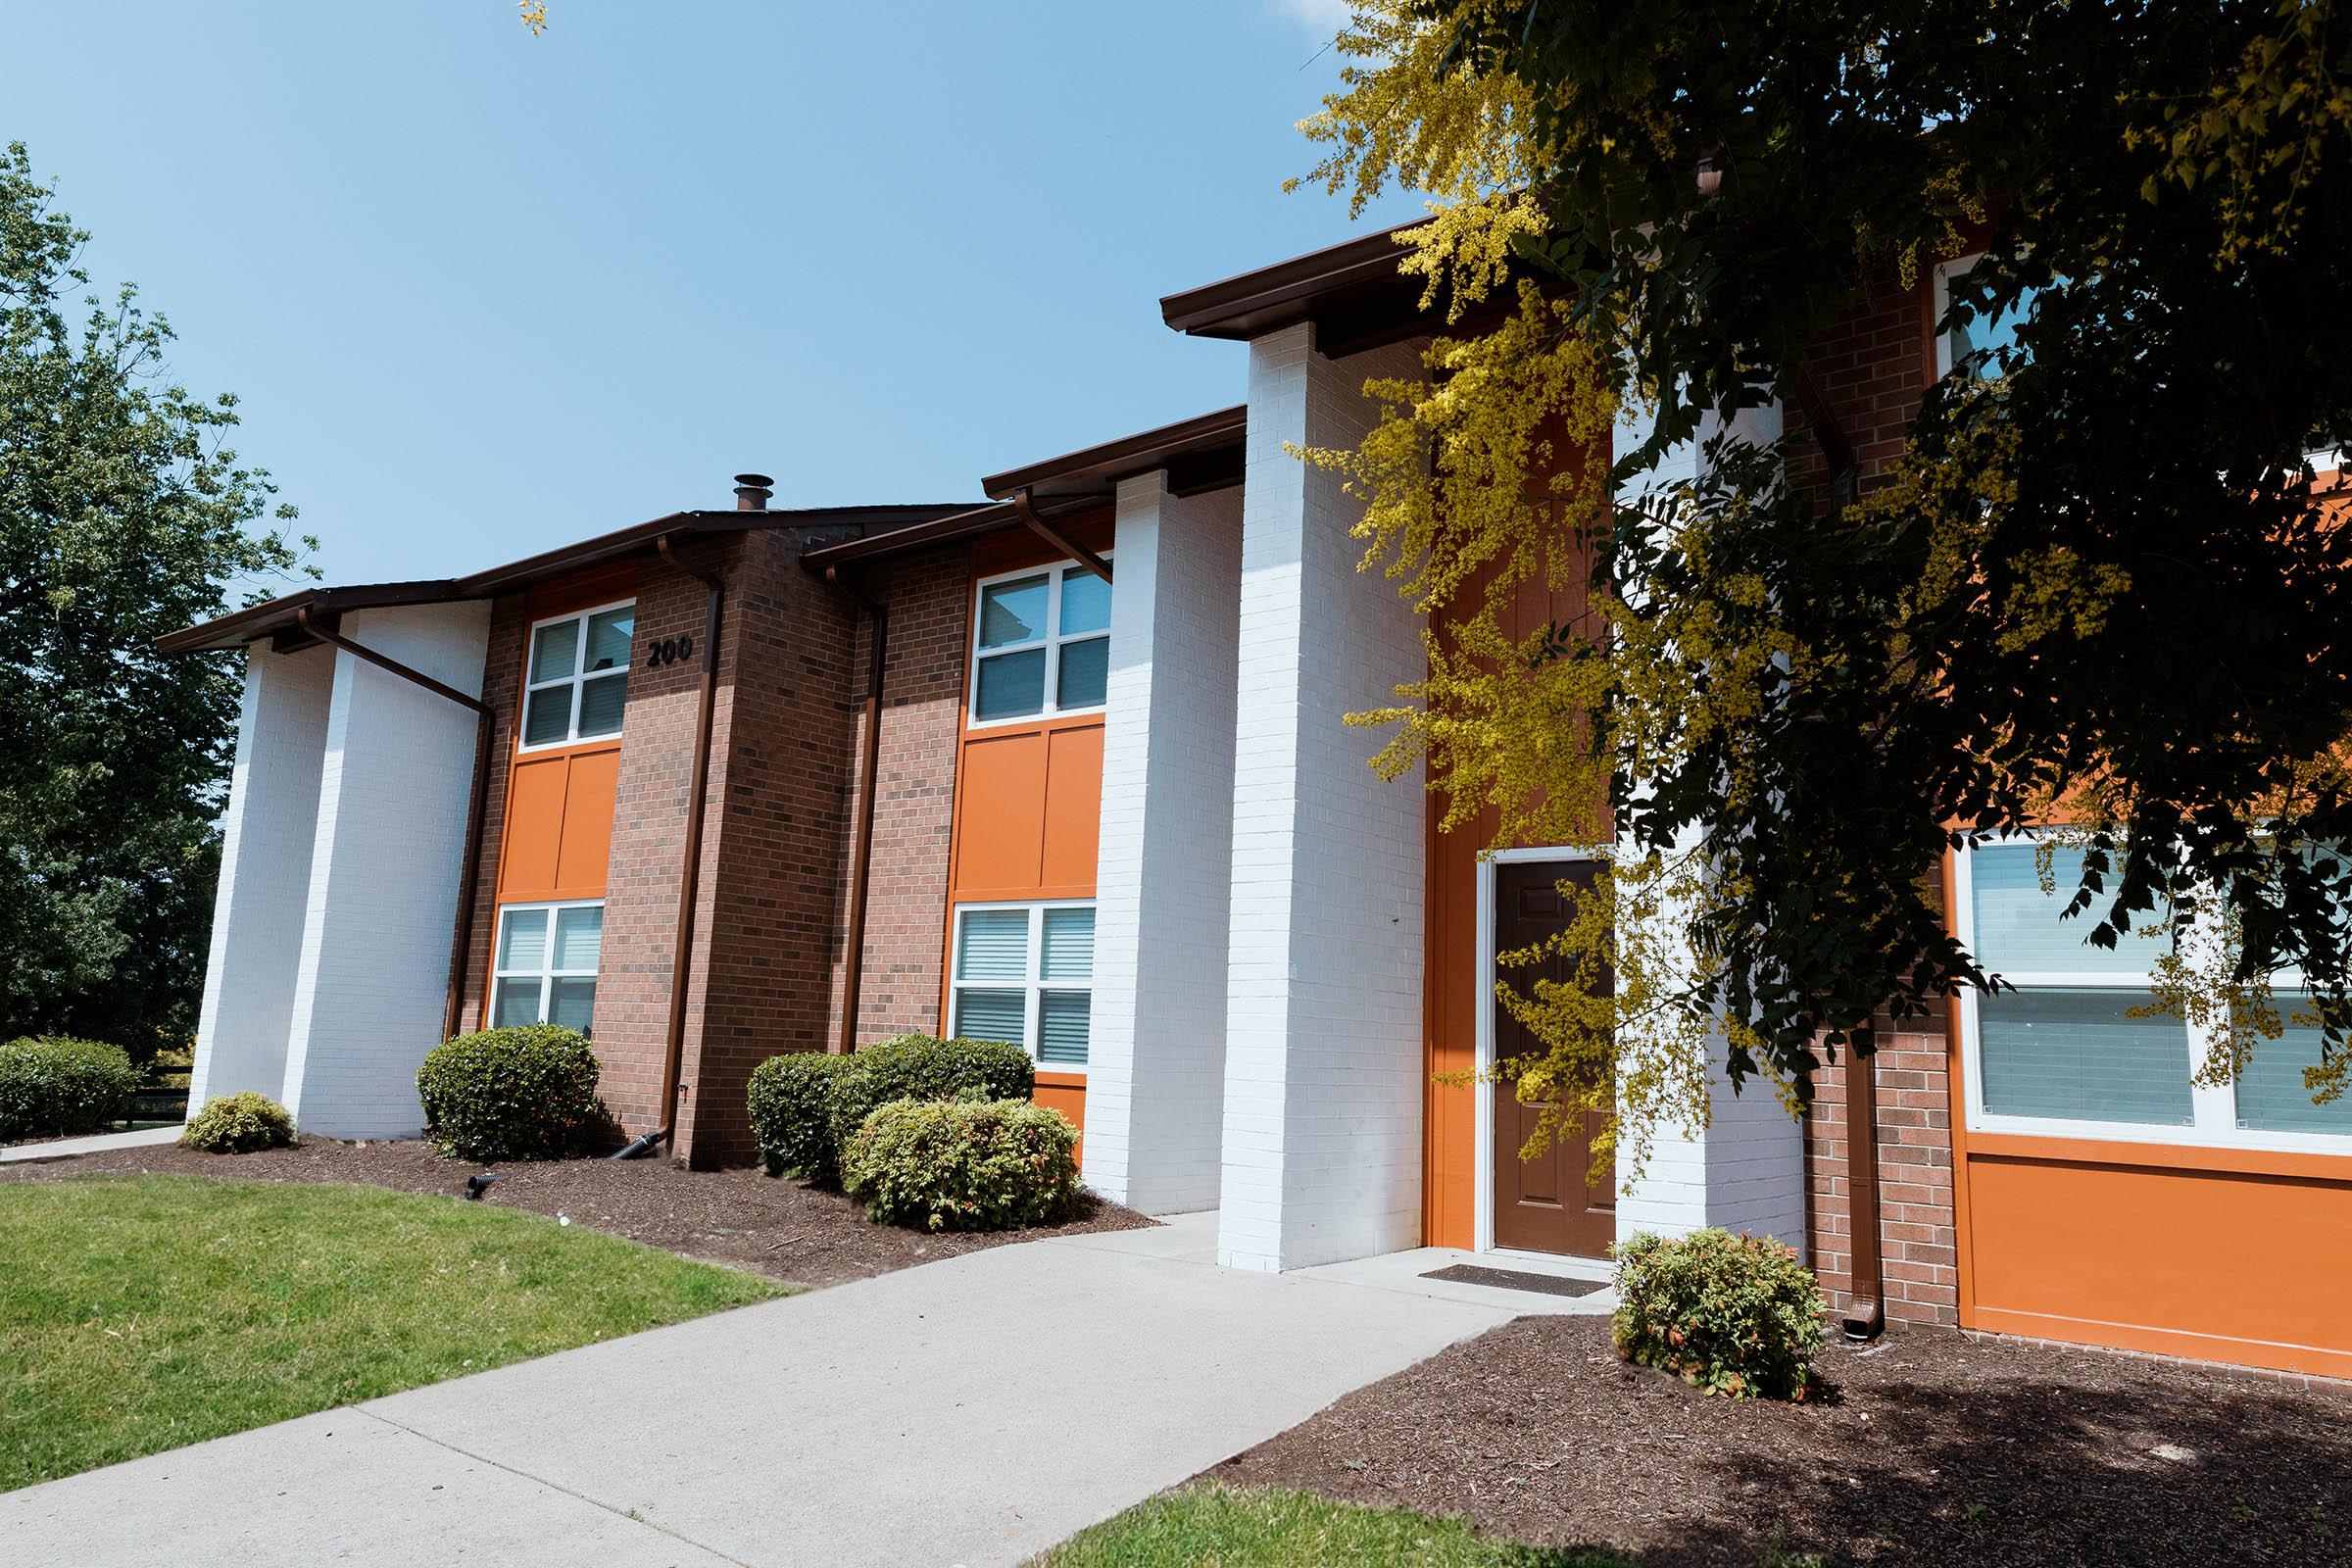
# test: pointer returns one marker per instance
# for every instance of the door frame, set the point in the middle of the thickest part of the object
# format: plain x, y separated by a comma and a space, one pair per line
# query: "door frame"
1481, 1207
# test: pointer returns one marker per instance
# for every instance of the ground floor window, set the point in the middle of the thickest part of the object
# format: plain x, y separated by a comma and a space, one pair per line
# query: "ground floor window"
2075, 1047
546, 968
1024, 973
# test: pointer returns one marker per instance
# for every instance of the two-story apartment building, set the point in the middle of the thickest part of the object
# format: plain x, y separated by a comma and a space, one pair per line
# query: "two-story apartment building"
1069, 769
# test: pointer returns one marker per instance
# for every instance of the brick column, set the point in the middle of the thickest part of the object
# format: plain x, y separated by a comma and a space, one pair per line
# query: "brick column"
1323, 1057
1156, 1078
266, 841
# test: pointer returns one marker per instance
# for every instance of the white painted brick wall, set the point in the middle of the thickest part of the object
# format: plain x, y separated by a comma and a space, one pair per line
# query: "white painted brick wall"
1323, 1081
1155, 1077
265, 844
383, 876
1745, 1170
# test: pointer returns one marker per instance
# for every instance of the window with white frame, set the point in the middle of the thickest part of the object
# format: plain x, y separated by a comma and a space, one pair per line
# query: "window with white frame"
545, 969
2063, 1054
578, 679
1980, 339
1024, 973
1041, 644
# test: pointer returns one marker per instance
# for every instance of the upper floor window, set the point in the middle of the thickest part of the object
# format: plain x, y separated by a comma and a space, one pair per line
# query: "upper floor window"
1041, 644
1979, 338
2076, 1048
579, 676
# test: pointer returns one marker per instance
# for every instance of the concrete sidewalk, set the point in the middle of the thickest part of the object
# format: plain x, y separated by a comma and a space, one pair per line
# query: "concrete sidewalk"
973, 1410
95, 1143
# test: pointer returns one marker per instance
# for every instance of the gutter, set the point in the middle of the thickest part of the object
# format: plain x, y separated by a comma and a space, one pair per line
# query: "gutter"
862, 853
1866, 1306
469, 871
691, 871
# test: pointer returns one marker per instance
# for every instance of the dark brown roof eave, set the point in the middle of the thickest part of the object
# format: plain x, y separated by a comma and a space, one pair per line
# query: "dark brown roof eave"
279, 615
1356, 276
1095, 471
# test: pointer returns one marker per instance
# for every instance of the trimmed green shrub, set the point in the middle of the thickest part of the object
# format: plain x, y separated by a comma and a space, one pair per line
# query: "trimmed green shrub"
523, 1093
922, 1067
1736, 1316
963, 1164
792, 1116
53, 1085
238, 1124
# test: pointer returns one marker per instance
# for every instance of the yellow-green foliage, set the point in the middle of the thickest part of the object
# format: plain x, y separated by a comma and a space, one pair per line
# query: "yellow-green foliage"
53, 1084
967, 1164
238, 1124
1736, 1316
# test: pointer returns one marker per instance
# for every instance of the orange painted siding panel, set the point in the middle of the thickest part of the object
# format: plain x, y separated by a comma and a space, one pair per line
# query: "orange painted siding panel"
558, 840
1064, 1092
1072, 819
1000, 814
2245, 1266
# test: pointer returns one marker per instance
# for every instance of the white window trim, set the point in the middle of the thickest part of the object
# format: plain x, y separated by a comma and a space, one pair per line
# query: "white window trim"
547, 973
1033, 984
2214, 1107
530, 643
1051, 642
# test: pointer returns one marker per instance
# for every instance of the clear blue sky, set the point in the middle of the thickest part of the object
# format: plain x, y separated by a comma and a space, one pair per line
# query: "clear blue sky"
481, 294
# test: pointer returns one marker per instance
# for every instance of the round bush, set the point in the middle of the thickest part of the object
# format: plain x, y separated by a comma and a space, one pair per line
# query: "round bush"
923, 1067
238, 1124
963, 1164
55, 1085
1738, 1315
792, 1116
523, 1093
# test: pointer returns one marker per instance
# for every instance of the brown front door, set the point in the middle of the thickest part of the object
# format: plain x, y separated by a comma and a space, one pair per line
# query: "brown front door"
1544, 1205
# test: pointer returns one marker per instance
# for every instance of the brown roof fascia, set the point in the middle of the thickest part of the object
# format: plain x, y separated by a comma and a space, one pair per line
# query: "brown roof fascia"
1095, 471
962, 526
1354, 290
278, 618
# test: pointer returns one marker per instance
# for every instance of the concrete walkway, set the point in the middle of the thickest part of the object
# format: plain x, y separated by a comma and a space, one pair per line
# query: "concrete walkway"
973, 1411
96, 1143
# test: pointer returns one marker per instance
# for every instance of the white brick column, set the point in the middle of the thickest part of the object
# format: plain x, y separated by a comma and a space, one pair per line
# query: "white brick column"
1323, 1054
383, 873
1155, 1074
1745, 1170
266, 839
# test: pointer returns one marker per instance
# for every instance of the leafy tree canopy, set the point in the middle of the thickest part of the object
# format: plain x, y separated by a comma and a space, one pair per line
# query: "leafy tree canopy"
122, 516
2100, 585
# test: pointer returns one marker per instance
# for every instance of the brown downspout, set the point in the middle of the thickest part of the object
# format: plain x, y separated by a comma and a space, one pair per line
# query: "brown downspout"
690, 872
862, 853
484, 732
1866, 1308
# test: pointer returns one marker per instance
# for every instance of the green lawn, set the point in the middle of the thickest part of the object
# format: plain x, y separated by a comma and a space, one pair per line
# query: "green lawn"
1215, 1527
141, 1313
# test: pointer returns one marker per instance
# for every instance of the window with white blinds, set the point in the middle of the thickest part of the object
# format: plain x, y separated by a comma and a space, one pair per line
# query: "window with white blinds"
1024, 973
544, 965
2064, 1054
1041, 644
578, 679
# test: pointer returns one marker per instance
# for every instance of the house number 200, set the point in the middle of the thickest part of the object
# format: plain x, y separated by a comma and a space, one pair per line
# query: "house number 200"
669, 651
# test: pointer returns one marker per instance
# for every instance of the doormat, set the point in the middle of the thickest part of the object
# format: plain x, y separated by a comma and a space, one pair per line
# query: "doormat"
1510, 1279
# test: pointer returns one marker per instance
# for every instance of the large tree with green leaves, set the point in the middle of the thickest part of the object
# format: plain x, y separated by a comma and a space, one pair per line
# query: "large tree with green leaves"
2101, 586
122, 516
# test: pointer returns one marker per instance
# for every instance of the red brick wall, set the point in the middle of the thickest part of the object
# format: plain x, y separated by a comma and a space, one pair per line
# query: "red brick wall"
923, 672
502, 685
1870, 371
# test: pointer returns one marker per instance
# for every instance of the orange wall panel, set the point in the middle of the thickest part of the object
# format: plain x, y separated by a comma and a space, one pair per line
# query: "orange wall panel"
1064, 1092
1000, 815
2180, 1254
1072, 817
558, 840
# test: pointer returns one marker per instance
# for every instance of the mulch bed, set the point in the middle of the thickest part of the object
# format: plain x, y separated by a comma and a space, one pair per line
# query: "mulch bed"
777, 1227
1932, 1448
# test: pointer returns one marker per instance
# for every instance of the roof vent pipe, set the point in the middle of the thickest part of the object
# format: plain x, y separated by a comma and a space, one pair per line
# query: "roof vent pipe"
752, 491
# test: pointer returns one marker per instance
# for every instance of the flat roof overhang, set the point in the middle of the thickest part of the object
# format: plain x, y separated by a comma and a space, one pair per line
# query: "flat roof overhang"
279, 618
1199, 454
1352, 292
